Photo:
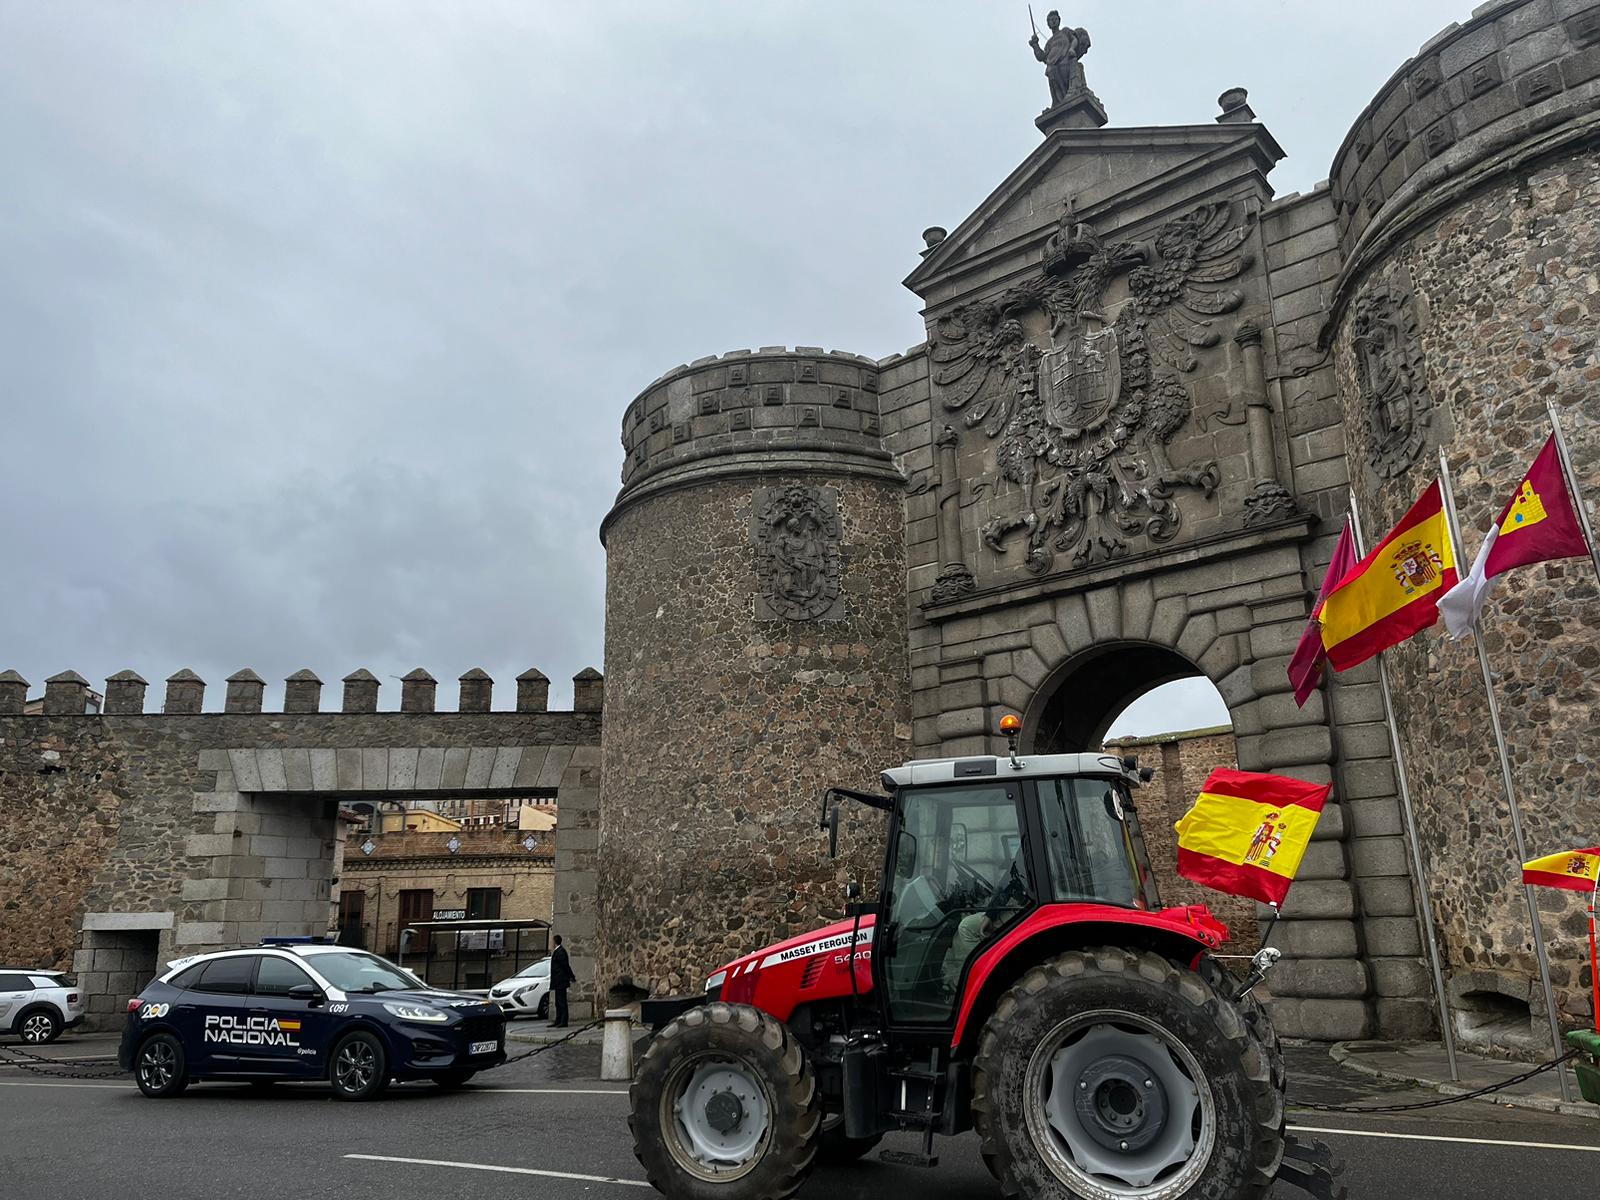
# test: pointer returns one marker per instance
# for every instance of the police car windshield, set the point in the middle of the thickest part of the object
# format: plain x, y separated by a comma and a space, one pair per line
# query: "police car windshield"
358, 972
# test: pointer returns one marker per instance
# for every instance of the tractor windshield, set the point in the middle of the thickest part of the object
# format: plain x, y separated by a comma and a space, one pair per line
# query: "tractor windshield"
1089, 842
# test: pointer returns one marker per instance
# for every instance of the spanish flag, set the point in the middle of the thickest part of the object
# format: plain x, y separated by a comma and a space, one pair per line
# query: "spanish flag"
1394, 591
1247, 833
1574, 870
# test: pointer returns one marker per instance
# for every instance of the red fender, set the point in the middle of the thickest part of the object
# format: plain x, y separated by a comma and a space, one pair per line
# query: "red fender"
1194, 924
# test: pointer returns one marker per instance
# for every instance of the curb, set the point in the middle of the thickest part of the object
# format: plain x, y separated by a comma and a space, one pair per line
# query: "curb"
543, 1037
1341, 1054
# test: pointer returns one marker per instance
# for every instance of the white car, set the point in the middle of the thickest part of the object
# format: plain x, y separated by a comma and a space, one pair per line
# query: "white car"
37, 1005
525, 994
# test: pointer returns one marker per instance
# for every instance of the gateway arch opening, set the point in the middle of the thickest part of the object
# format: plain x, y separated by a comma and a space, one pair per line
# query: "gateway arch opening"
1136, 698
1082, 702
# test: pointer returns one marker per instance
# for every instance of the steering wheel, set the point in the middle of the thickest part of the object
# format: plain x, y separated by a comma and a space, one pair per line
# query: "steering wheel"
969, 874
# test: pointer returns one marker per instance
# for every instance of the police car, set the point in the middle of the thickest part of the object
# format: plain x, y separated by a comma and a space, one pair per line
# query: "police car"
297, 1008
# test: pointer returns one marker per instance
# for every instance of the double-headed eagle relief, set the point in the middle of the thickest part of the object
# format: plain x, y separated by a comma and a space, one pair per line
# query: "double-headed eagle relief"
1082, 412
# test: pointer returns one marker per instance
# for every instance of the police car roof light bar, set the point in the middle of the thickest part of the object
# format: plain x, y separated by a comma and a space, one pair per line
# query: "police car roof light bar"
302, 940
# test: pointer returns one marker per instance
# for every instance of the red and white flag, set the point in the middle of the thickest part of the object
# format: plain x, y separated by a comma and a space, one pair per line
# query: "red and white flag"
1538, 524
1305, 668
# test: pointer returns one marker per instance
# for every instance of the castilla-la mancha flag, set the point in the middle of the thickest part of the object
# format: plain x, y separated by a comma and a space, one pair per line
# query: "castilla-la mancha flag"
1538, 523
1247, 833
1394, 591
1574, 870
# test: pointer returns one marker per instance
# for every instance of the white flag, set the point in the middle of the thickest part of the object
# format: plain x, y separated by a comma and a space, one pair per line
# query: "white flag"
1463, 604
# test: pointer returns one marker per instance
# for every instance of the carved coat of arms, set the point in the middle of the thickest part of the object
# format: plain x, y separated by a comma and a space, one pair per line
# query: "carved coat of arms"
798, 564
1392, 379
1083, 421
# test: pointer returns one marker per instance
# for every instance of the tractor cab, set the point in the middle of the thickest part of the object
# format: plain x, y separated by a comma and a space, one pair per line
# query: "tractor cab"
976, 845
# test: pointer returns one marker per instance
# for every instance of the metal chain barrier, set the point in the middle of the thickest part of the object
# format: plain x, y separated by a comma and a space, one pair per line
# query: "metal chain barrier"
1442, 1100
540, 1049
33, 1064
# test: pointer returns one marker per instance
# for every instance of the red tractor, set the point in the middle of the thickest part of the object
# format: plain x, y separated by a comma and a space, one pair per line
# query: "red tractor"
1016, 975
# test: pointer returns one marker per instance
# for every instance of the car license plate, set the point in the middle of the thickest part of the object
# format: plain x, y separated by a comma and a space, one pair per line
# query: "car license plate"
483, 1047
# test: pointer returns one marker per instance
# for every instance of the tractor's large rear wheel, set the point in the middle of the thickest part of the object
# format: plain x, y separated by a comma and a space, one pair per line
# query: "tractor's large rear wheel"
724, 1107
1112, 1074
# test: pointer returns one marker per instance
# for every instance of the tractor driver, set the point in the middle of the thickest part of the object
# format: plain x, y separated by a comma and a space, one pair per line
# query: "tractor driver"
976, 926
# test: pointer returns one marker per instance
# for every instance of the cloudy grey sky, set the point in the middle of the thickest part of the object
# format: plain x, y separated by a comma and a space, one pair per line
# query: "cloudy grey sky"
317, 319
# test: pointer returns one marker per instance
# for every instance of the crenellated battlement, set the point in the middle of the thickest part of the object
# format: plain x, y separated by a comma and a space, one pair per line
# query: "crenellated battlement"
68, 693
743, 412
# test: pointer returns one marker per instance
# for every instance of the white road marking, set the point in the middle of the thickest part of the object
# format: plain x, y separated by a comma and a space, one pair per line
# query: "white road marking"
469, 1166
1429, 1137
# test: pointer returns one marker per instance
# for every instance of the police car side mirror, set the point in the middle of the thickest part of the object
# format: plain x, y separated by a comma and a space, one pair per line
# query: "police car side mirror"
306, 991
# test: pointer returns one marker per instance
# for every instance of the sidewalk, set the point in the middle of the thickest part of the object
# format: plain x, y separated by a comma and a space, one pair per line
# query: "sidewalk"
539, 1033
1424, 1064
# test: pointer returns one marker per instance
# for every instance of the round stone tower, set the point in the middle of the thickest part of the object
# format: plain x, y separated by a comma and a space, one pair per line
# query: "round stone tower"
1468, 199
755, 654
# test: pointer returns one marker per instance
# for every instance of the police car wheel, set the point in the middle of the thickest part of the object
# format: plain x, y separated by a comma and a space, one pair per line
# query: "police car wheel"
360, 1068
159, 1067
451, 1080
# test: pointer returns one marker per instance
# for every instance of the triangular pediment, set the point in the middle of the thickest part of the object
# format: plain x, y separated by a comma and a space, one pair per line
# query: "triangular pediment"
1116, 177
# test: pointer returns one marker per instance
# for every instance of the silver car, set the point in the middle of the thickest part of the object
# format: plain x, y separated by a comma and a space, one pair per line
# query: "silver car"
525, 994
37, 1005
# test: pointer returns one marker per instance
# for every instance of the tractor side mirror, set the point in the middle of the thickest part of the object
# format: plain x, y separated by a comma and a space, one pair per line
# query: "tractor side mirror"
852, 890
833, 832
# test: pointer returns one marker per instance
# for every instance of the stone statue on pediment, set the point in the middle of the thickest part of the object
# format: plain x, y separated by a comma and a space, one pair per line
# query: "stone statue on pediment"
1062, 54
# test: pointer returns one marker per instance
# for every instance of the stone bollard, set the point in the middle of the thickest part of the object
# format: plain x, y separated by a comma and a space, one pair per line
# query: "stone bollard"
616, 1047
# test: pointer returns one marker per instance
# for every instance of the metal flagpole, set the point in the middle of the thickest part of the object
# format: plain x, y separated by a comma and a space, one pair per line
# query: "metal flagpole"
1424, 905
1453, 525
1572, 485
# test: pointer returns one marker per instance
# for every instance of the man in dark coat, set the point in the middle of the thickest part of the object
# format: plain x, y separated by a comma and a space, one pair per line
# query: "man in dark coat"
561, 978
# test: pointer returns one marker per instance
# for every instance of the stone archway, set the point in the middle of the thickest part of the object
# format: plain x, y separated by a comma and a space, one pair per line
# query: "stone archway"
1073, 709
1349, 935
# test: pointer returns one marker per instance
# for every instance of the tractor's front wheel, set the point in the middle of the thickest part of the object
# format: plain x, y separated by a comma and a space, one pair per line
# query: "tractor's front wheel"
1112, 1074
724, 1107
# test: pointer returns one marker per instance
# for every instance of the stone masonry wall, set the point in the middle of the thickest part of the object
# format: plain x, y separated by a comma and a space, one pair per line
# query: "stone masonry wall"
1507, 300
725, 729
209, 826
62, 792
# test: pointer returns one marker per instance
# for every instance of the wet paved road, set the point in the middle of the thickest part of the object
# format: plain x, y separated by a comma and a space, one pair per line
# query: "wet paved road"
547, 1128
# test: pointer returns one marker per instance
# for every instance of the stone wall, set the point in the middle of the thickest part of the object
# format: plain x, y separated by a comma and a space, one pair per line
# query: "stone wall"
1501, 293
212, 828
754, 655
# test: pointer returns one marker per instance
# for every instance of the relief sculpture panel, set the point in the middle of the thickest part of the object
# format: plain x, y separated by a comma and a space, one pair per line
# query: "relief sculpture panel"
799, 567
1391, 379
1083, 410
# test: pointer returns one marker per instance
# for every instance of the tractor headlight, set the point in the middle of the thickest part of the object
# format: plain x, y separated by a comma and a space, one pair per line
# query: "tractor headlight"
418, 1012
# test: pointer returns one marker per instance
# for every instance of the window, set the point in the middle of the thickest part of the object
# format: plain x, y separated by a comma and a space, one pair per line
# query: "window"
15, 983
188, 977
1087, 842
960, 877
277, 975
483, 904
229, 975
352, 908
353, 971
